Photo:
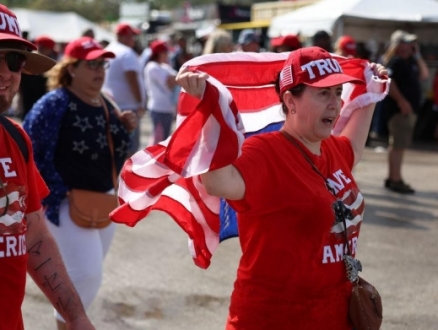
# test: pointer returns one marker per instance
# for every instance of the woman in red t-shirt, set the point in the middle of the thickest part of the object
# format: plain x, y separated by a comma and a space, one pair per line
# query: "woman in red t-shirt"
283, 186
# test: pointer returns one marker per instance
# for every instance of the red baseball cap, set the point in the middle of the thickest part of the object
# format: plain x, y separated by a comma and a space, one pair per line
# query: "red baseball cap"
45, 41
124, 28
290, 40
158, 46
86, 48
348, 45
11, 40
312, 66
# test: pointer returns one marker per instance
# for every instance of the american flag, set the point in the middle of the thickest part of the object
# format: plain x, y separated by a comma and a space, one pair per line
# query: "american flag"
239, 100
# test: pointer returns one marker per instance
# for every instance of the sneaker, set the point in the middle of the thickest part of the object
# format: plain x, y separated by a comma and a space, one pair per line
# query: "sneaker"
399, 187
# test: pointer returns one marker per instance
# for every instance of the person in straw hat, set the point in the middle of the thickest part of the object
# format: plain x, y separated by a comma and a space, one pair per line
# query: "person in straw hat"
25, 242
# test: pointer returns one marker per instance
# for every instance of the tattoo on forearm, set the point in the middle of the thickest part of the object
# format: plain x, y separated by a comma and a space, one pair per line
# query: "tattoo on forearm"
43, 264
35, 249
61, 305
49, 282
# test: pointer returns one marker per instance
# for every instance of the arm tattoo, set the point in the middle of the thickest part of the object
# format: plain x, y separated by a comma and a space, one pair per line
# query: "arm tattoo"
35, 249
36, 269
49, 282
61, 305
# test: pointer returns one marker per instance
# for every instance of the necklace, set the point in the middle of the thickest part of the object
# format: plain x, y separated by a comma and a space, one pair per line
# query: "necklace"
95, 101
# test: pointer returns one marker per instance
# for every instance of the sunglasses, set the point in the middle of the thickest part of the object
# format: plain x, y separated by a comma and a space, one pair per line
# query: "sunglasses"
14, 61
96, 64
5, 210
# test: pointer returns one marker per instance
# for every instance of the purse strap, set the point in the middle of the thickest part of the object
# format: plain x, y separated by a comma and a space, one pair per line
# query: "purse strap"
307, 158
110, 143
339, 206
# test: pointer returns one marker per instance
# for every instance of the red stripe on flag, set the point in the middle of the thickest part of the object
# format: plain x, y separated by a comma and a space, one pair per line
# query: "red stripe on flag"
178, 150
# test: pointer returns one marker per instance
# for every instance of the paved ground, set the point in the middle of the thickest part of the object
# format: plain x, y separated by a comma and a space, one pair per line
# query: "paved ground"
150, 281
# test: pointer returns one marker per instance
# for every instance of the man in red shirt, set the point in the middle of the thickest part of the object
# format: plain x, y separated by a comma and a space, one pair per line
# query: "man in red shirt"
25, 242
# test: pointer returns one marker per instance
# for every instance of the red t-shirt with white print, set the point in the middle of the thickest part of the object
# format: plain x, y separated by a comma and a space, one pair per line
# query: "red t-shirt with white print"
25, 188
291, 274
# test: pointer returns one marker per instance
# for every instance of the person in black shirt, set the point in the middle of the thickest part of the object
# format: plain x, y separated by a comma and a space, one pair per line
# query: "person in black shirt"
181, 54
406, 68
32, 87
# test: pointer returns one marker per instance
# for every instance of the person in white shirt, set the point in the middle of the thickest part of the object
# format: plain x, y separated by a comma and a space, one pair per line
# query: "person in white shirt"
124, 81
160, 84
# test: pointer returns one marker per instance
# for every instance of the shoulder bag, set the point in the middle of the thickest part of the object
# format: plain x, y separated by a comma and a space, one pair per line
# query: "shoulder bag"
90, 209
365, 310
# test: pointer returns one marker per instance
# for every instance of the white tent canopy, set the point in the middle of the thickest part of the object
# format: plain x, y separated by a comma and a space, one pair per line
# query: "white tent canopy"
363, 19
61, 27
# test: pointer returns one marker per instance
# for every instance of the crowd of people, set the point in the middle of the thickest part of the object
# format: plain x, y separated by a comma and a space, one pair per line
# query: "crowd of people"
82, 108
140, 80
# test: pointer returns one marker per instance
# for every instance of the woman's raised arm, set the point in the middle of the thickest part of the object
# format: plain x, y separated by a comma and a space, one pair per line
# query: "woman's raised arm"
225, 182
358, 126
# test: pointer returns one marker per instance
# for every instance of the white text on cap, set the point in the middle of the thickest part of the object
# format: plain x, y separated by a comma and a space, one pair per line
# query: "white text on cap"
11, 22
325, 66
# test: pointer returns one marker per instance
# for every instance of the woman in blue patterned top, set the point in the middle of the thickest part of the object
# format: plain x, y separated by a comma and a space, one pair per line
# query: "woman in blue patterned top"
68, 129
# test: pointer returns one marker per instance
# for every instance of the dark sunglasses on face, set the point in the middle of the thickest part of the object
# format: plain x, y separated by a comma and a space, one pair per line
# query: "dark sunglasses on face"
96, 64
14, 61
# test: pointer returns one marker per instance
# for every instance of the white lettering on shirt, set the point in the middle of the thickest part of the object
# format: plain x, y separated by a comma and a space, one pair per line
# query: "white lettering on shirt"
12, 246
328, 255
335, 253
340, 182
6, 168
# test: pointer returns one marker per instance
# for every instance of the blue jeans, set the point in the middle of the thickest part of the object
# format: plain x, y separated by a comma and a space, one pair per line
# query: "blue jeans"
162, 123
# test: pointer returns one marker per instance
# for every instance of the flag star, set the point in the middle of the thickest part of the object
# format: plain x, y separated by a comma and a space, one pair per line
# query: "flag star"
80, 146
123, 148
102, 140
114, 129
73, 106
100, 121
95, 156
82, 123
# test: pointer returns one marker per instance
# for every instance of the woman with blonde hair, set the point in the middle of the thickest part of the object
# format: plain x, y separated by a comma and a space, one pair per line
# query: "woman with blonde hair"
80, 142
219, 41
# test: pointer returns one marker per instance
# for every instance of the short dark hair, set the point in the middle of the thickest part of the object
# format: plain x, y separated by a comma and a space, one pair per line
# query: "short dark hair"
321, 34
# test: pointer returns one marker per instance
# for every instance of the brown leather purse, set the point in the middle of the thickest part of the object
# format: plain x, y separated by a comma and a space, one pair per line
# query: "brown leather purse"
365, 310
91, 209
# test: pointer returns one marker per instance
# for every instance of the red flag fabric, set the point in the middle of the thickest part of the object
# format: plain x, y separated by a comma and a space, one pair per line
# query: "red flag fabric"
239, 100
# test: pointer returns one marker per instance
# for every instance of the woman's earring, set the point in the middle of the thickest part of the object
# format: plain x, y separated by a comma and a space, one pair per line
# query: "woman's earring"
293, 111
72, 75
